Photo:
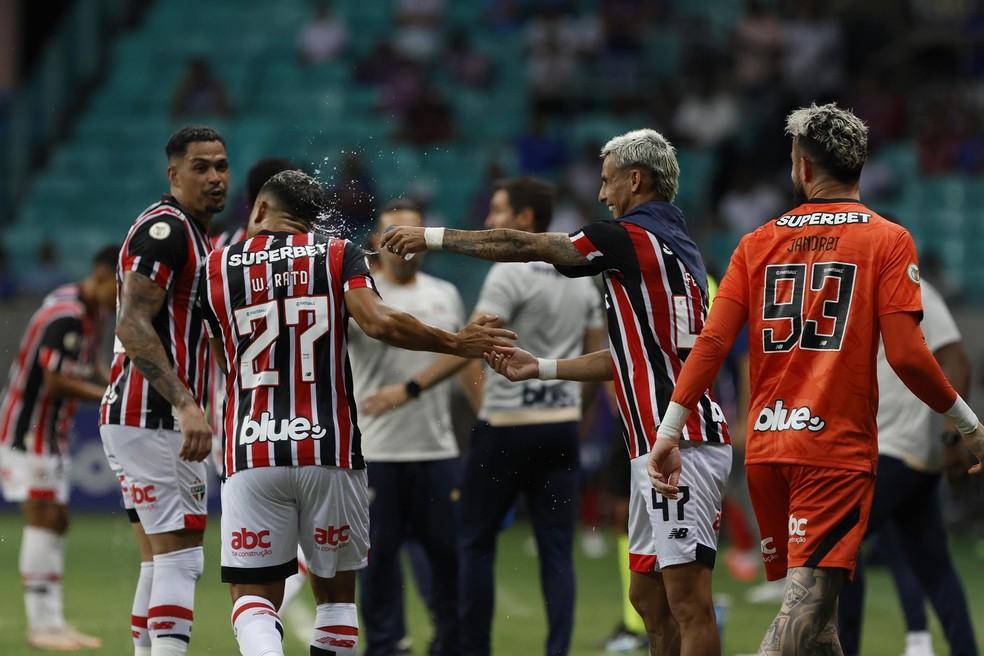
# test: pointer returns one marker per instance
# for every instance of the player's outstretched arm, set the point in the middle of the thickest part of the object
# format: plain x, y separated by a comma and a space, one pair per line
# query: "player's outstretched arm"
500, 245
402, 330
516, 364
60, 385
911, 359
140, 302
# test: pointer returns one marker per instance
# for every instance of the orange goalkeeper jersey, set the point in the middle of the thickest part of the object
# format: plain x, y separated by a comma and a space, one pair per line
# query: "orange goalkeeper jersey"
815, 282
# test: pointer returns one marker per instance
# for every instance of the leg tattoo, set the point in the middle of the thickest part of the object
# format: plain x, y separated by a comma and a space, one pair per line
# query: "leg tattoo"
806, 623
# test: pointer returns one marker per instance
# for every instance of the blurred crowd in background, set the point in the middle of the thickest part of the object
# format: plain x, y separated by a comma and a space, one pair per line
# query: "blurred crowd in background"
717, 77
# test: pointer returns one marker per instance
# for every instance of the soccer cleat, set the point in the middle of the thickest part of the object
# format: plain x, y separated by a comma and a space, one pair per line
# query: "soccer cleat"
52, 640
87, 641
622, 641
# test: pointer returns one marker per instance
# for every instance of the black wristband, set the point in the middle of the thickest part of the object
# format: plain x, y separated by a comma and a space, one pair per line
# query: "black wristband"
950, 438
413, 388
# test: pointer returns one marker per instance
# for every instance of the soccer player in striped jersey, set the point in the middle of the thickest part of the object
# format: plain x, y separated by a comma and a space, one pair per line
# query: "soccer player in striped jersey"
54, 368
656, 293
817, 286
153, 427
276, 307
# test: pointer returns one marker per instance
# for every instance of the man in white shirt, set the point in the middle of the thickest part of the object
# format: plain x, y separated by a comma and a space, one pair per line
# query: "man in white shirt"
906, 501
411, 451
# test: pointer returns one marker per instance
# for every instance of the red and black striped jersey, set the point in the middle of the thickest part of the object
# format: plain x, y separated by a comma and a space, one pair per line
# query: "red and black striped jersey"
276, 302
656, 309
61, 336
216, 379
168, 247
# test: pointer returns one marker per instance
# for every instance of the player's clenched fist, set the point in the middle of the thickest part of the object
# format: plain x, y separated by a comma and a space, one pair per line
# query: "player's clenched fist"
403, 240
481, 336
196, 434
514, 363
665, 466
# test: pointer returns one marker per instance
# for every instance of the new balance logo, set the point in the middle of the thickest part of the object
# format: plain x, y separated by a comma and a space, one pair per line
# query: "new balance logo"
679, 533
161, 626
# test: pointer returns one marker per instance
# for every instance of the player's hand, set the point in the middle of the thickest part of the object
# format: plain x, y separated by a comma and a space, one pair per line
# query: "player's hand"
386, 398
975, 442
403, 240
196, 434
665, 466
479, 337
514, 363
956, 460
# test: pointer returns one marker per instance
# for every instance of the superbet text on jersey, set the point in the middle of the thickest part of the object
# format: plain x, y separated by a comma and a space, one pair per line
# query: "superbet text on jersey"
815, 282
276, 301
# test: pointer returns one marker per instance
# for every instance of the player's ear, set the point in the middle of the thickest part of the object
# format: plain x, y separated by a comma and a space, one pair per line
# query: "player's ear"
524, 220
635, 180
806, 170
172, 173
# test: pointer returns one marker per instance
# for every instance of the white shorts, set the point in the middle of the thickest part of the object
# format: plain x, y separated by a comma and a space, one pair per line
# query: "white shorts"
268, 511
664, 532
28, 476
167, 493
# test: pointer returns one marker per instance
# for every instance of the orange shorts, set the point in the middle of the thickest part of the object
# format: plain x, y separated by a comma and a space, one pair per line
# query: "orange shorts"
809, 516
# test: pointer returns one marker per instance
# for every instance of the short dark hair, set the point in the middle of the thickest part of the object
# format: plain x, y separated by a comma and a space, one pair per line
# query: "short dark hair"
534, 193
108, 256
177, 145
297, 194
262, 171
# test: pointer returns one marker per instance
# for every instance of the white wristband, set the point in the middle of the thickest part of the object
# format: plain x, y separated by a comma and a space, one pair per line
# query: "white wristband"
671, 425
547, 369
434, 238
962, 416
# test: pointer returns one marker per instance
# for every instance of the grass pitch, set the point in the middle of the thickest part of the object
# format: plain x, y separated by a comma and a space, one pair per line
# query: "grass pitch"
102, 567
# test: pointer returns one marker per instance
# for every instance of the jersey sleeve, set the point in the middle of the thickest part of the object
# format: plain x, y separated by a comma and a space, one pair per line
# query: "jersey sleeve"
605, 244
502, 291
61, 343
938, 325
734, 285
898, 283
157, 249
355, 269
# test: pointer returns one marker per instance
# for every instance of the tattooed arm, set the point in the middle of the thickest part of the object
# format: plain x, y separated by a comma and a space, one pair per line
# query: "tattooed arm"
807, 621
141, 300
499, 245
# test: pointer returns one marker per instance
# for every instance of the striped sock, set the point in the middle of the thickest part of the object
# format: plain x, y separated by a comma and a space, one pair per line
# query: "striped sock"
336, 631
257, 627
172, 600
138, 612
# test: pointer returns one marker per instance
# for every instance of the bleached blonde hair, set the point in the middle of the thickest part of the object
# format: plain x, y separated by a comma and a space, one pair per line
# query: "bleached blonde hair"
838, 133
650, 150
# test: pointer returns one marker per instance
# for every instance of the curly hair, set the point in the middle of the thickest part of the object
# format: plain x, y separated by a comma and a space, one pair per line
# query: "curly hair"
297, 194
833, 137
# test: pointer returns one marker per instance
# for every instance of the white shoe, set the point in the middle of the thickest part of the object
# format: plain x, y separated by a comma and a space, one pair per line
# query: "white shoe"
918, 643
84, 639
766, 593
52, 640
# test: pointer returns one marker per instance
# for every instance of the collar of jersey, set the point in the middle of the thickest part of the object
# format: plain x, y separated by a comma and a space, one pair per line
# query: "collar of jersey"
821, 201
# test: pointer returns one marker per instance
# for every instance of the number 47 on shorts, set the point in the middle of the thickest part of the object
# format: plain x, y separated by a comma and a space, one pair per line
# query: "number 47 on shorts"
662, 503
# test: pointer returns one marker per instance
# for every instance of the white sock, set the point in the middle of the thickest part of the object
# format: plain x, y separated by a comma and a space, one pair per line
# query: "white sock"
172, 600
138, 612
42, 563
257, 627
336, 630
294, 583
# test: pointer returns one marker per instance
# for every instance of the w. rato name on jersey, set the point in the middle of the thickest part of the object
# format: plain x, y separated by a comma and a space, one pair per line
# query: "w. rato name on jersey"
168, 247
656, 309
276, 302
60, 337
